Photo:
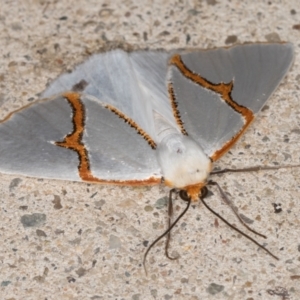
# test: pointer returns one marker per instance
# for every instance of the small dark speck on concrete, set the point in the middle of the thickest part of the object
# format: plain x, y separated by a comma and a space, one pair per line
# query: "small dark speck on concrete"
145, 243
41, 278
161, 202
99, 203
238, 260
214, 288
75, 242
71, 279
148, 208
168, 297
154, 293
81, 272
265, 107
145, 36
293, 12
164, 33
273, 37
286, 139
277, 208
92, 196
299, 248
2, 96
41, 233
183, 225
56, 47
27, 57
296, 26
56, 202
296, 130
42, 51
193, 12
211, 2
5, 283
103, 37
136, 297
188, 38
63, 18
231, 39
279, 291
14, 183
287, 156
94, 263
23, 207
265, 139
33, 220
16, 26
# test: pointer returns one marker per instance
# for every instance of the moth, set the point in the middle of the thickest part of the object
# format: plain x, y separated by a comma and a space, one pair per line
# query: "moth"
143, 117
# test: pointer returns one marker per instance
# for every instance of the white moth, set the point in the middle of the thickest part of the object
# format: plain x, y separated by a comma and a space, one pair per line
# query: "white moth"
182, 110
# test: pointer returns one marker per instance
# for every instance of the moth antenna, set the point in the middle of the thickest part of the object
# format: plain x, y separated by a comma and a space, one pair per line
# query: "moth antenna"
168, 230
235, 211
238, 230
253, 169
170, 215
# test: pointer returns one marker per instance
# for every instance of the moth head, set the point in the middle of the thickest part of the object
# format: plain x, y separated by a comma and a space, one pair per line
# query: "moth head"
184, 164
194, 192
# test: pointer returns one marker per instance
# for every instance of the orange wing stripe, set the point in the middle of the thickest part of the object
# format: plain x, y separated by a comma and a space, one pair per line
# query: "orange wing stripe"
74, 142
224, 90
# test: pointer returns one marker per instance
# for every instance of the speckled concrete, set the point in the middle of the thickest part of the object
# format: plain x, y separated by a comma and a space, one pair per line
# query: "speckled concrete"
65, 240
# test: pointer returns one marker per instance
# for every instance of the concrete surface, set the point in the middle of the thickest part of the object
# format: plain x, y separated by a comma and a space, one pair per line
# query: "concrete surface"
65, 240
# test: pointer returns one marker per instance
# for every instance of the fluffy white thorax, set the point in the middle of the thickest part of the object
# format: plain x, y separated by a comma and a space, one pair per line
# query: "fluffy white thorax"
182, 160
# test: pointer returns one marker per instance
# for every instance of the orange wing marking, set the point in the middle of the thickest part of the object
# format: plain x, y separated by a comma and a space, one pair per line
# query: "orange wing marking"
224, 90
74, 142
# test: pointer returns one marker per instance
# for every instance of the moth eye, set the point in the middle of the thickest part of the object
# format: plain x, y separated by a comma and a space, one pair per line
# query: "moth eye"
203, 192
184, 195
